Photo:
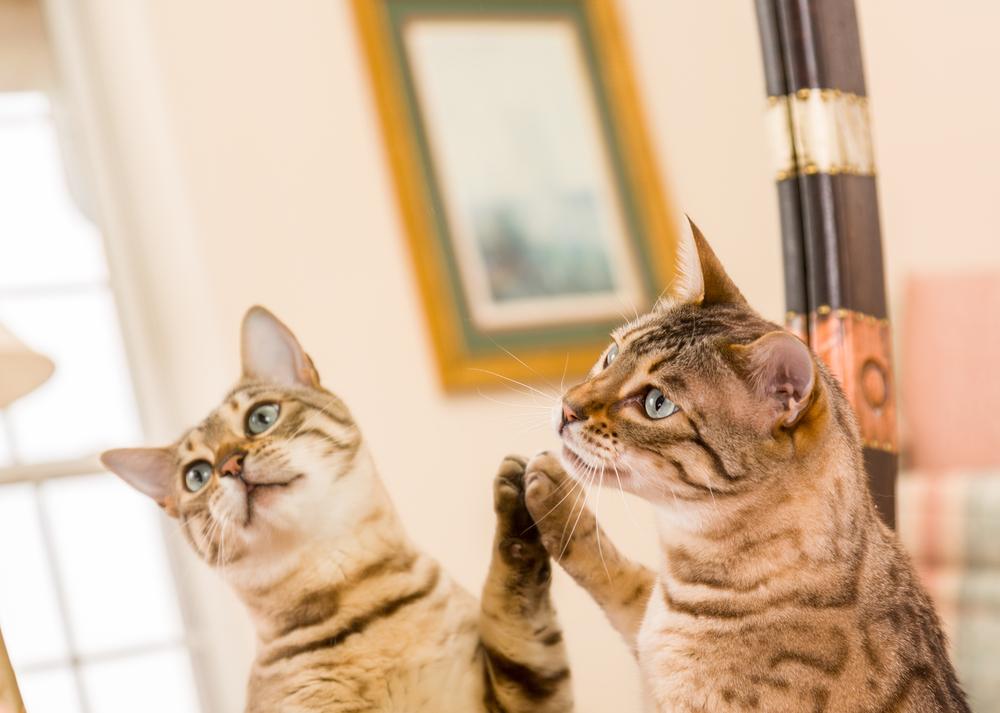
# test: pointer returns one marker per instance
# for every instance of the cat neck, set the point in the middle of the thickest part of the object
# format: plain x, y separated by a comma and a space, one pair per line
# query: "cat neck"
815, 503
328, 562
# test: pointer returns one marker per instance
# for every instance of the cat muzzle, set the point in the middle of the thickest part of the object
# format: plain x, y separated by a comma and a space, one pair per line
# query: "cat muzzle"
232, 464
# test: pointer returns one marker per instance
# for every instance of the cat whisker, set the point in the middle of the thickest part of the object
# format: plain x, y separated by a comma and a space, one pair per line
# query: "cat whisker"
515, 382
221, 564
308, 420
581, 482
520, 361
635, 310
563, 542
597, 527
621, 490
532, 428
576, 522
512, 404
573, 485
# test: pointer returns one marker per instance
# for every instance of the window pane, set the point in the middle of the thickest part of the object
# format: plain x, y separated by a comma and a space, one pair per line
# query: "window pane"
38, 219
87, 405
51, 691
111, 557
155, 683
29, 612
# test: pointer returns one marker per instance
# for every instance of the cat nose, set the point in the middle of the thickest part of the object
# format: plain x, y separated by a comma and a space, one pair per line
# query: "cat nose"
570, 413
232, 464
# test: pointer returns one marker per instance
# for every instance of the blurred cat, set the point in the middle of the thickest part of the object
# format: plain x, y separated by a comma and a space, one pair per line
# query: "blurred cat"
277, 491
781, 589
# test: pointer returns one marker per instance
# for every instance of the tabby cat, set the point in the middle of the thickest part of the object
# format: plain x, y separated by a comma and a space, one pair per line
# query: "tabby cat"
781, 590
277, 491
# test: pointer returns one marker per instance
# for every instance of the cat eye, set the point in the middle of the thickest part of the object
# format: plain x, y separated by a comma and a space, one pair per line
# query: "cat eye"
611, 356
659, 406
261, 418
197, 475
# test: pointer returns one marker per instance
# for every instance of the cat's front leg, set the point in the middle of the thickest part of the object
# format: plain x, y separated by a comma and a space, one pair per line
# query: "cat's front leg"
569, 532
522, 644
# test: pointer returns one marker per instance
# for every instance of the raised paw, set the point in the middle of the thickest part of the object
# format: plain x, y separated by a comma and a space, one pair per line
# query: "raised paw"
508, 485
548, 487
517, 538
557, 503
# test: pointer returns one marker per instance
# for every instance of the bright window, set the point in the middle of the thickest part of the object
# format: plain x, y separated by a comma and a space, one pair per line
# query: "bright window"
88, 607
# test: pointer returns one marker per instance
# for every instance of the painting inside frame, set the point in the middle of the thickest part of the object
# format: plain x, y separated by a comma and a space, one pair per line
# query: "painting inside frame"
533, 225
514, 134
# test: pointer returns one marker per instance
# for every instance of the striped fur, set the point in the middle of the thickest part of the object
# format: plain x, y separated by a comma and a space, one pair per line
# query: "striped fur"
350, 616
780, 590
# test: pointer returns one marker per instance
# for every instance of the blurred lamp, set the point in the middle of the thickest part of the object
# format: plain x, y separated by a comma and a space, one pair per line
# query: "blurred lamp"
21, 369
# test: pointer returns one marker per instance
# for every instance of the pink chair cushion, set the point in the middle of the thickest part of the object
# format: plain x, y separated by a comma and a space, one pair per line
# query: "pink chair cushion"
950, 371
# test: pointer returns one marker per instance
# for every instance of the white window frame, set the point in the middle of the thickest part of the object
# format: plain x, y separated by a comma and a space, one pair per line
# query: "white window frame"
81, 61
35, 474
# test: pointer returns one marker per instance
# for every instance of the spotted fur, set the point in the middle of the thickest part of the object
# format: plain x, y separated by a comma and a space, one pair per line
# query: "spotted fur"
781, 590
350, 616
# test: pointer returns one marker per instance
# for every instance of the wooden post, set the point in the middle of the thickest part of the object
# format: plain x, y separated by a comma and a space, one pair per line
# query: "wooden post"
831, 242
10, 698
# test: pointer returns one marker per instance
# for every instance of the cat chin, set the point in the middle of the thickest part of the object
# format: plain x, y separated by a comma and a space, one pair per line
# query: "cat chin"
589, 469
577, 465
630, 473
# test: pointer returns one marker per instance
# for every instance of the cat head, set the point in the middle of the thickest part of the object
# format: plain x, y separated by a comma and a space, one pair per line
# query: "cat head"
697, 399
271, 465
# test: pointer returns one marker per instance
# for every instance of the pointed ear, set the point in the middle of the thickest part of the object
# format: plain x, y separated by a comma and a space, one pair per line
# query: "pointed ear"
700, 276
149, 470
782, 371
271, 353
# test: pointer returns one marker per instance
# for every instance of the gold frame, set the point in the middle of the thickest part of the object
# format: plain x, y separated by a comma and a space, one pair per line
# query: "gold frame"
458, 369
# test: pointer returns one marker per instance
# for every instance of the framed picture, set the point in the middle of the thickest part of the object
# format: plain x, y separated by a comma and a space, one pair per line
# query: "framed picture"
534, 212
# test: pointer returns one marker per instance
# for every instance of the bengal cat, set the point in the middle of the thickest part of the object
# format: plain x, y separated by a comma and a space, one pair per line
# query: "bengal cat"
277, 491
781, 590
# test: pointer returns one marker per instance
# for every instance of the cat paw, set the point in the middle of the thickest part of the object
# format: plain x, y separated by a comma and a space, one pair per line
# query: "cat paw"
544, 477
550, 499
517, 537
508, 485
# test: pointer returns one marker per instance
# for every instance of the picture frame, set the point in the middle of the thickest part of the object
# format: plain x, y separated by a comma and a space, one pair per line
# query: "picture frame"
535, 215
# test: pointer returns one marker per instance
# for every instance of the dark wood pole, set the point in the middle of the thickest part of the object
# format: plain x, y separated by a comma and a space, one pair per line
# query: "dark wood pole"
831, 243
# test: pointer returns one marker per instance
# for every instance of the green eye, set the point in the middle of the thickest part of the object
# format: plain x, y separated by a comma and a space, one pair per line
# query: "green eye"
612, 355
659, 406
197, 475
262, 418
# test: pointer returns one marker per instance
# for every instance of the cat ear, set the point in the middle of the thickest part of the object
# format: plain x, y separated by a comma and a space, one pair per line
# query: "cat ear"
700, 276
782, 371
151, 471
271, 353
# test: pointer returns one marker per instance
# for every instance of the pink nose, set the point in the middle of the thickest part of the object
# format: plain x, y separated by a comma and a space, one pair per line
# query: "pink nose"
569, 414
233, 464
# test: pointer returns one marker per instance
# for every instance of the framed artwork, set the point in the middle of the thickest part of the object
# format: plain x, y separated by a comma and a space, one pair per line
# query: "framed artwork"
535, 215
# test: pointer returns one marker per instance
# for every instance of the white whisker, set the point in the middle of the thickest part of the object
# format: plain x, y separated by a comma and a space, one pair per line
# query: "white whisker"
597, 527
577, 521
514, 381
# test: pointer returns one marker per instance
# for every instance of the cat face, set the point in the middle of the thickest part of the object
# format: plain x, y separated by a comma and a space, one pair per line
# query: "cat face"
267, 468
694, 400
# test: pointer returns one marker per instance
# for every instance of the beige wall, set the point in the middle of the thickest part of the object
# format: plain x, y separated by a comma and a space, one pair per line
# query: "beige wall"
242, 163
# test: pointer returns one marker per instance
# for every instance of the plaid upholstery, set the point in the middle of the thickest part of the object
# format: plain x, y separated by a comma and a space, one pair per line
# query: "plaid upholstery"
950, 525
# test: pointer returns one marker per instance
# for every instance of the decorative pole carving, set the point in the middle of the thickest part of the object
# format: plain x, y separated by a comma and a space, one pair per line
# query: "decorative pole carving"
825, 175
